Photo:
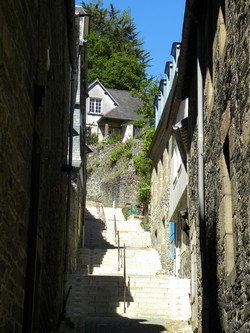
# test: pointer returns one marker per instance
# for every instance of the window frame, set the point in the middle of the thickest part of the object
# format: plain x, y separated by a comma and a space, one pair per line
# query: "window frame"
95, 106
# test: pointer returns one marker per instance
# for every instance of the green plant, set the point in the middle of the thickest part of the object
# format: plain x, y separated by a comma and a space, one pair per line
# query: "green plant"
100, 146
90, 168
115, 155
124, 149
143, 169
144, 191
142, 164
91, 138
145, 223
125, 212
113, 138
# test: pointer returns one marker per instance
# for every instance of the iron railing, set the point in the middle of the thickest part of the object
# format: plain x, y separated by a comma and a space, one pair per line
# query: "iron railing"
124, 278
101, 213
119, 253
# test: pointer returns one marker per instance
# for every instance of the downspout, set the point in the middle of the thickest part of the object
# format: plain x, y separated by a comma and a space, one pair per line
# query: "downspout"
201, 187
69, 166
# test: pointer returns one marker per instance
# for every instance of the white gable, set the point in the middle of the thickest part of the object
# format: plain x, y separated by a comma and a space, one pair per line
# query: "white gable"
108, 103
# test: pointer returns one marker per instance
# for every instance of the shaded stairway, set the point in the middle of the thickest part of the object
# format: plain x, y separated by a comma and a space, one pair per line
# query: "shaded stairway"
96, 303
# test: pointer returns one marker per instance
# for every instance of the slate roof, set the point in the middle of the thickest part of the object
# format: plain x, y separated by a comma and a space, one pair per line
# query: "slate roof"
127, 106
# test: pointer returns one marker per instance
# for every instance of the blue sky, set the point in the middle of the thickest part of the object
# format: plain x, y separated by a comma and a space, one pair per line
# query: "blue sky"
159, 24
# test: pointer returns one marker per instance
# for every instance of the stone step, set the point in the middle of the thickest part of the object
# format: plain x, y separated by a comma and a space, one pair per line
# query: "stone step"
162, 281
130, 238
101, 293
173, 313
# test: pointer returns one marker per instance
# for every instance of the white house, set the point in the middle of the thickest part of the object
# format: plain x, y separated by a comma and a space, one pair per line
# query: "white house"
111, 111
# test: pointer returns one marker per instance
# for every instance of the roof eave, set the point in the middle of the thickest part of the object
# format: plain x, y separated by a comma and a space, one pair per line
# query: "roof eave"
166, 119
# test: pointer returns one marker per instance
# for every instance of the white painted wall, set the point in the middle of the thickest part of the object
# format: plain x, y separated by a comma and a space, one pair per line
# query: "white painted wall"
76, 156
179, 177
107, 105
129, 132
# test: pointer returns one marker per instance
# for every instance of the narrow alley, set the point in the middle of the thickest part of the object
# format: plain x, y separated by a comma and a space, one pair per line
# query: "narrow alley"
100, 301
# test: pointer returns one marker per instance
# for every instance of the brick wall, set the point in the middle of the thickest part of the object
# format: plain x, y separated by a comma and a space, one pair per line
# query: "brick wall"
34, 100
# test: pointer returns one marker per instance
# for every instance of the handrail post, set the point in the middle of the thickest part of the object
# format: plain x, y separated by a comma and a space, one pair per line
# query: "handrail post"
98, 208
102, 216
115, 228
119, 257
124, 277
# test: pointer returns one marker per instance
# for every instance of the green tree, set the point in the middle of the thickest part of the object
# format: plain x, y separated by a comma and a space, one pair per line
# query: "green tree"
143, 169
147, 92
116, 55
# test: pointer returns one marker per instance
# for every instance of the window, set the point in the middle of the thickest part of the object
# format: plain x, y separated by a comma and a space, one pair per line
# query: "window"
95, 105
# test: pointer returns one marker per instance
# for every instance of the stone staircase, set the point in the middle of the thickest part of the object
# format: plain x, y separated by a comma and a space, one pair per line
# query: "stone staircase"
96, 303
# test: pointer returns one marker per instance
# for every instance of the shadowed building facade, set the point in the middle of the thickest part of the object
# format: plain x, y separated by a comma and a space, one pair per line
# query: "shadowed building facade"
39, 49
213, 77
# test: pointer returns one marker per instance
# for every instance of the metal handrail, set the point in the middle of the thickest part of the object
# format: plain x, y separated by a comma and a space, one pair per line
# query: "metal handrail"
103, 217
119, 254
117, 241
62, 313
101, 213
115, 229
124, 277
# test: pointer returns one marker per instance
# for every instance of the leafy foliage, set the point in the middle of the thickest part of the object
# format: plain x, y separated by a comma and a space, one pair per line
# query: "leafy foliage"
116, 56
143, 169
113, 138
123, 149
91, 138
147, 92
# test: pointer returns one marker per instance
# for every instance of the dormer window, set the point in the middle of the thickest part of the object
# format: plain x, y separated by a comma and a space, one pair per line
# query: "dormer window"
95, 105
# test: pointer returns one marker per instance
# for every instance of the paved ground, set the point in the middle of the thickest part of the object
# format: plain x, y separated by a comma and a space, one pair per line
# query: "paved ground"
124, 325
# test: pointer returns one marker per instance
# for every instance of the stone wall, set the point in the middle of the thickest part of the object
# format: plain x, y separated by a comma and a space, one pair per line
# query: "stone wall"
34, 100
112, 183
227, 139
159, 206
220, 244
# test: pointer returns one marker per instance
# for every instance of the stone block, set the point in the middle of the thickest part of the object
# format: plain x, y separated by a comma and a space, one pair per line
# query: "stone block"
8, 43
229, 246
245, 312
231, 136
235, 192
225, 123
225, 216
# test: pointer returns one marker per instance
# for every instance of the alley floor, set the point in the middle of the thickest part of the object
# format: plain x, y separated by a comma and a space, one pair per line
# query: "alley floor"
100, 301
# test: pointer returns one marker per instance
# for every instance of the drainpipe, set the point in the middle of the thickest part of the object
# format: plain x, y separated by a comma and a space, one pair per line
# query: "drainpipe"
69, 166
201, 188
